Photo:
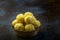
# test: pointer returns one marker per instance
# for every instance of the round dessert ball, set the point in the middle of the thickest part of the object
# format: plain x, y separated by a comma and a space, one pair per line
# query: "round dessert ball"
20, 17
29, 27
14, 22
29, 19
28, 13
19, 27
37, 23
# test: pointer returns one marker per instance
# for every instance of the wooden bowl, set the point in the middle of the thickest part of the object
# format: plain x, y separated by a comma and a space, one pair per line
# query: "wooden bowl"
26, 34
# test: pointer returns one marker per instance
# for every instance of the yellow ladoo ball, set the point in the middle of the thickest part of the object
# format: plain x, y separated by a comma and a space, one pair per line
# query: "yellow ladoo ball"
14, 22
29, 19
37, 23
20, 17
34, 17
29, 27
19, 27
28, 13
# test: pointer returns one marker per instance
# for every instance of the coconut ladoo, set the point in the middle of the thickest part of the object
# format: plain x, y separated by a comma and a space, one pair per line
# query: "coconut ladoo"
14, 22
20, 17
37, 23
28, 13
29, 20
19, 27
29, 27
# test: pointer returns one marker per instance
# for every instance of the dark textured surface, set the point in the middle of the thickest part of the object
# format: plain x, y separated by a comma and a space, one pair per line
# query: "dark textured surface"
47, 11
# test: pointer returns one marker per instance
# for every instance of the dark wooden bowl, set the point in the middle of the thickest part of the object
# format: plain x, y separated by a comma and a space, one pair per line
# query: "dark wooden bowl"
26, 34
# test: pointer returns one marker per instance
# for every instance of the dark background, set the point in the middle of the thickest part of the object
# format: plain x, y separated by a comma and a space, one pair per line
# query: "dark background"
47, 11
